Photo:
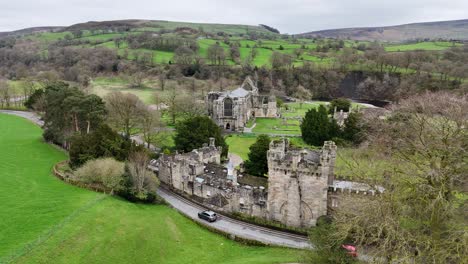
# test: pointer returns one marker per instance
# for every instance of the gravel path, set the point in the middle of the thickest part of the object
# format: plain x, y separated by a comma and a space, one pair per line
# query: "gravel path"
31, 116
235, 159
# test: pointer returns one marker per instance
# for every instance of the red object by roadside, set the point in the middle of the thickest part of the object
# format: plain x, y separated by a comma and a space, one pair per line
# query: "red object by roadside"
350, 250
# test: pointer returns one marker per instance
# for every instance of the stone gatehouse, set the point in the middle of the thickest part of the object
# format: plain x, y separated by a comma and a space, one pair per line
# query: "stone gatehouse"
295, 193
232, 110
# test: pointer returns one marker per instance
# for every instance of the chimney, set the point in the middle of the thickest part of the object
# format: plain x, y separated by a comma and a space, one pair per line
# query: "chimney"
212, 142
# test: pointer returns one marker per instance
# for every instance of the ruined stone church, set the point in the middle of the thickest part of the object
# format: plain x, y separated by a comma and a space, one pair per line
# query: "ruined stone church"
231, 110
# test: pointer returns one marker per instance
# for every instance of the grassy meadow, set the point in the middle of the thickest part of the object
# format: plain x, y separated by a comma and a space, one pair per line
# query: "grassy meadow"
45, 220
101, 86
428, 45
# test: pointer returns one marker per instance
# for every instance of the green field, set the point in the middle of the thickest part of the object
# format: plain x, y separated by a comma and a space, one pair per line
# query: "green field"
432, 45
103, 86
239, 144
277, 126
47, 221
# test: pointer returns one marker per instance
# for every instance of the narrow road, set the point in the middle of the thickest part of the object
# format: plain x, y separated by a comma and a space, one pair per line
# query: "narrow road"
236, 227
33, 117
225, 224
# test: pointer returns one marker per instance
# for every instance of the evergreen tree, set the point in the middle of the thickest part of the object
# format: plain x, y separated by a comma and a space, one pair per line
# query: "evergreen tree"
258, 164
340, 104
35, 96
69, 111
195, 131
317, 127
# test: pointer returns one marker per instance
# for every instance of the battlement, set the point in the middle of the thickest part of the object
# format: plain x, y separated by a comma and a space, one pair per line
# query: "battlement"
282, 154
298, 182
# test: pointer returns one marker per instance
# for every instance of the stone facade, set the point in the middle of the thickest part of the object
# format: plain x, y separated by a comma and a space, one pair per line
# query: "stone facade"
233, 109
298, 182
340, 117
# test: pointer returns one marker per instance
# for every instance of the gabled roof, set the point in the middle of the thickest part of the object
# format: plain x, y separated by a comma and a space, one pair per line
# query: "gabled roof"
239, 92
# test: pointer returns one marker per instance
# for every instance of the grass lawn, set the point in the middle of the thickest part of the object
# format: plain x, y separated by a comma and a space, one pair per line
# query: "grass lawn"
239, 144
298, 110
47, 221
277, 126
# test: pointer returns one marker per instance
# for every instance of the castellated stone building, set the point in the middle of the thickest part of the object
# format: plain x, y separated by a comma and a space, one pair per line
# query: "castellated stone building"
295, 193
232, 110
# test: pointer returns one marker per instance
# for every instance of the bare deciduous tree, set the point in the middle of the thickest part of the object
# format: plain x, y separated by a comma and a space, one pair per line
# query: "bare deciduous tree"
124, 110
5, 93
151, 125
421, 215
144, 180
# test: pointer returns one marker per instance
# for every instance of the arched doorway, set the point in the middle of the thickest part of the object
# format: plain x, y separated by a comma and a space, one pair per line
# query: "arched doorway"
228, 126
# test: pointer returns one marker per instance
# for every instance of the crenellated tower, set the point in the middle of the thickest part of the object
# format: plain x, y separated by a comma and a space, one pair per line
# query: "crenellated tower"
298, 181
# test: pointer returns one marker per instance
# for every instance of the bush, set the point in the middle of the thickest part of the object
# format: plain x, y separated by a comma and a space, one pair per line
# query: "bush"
105, 171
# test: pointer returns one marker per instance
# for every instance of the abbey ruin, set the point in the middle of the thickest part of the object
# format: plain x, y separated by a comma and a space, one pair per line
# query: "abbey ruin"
232, 110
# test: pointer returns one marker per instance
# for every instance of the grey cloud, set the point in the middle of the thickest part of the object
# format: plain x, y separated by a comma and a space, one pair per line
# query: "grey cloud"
293, 16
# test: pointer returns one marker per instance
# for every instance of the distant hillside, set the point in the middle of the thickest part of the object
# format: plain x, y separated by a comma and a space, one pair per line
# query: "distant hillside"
152, 25
457, 30
27, 31
158, 25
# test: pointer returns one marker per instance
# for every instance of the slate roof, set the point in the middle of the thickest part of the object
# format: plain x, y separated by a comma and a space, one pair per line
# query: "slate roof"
239, 92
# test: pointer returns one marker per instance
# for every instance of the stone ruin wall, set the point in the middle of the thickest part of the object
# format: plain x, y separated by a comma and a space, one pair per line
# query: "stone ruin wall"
244, 108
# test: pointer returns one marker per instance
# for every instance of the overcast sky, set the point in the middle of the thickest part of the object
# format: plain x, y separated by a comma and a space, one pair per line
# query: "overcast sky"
289, 16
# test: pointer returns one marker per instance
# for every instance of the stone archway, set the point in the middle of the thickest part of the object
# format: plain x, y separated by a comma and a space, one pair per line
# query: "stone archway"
306, 214
228, 126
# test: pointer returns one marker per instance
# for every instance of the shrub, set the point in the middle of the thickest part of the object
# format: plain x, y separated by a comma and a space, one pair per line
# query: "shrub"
105, 171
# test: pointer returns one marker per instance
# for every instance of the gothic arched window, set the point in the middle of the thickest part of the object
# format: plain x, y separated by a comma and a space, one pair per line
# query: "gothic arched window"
227, 107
